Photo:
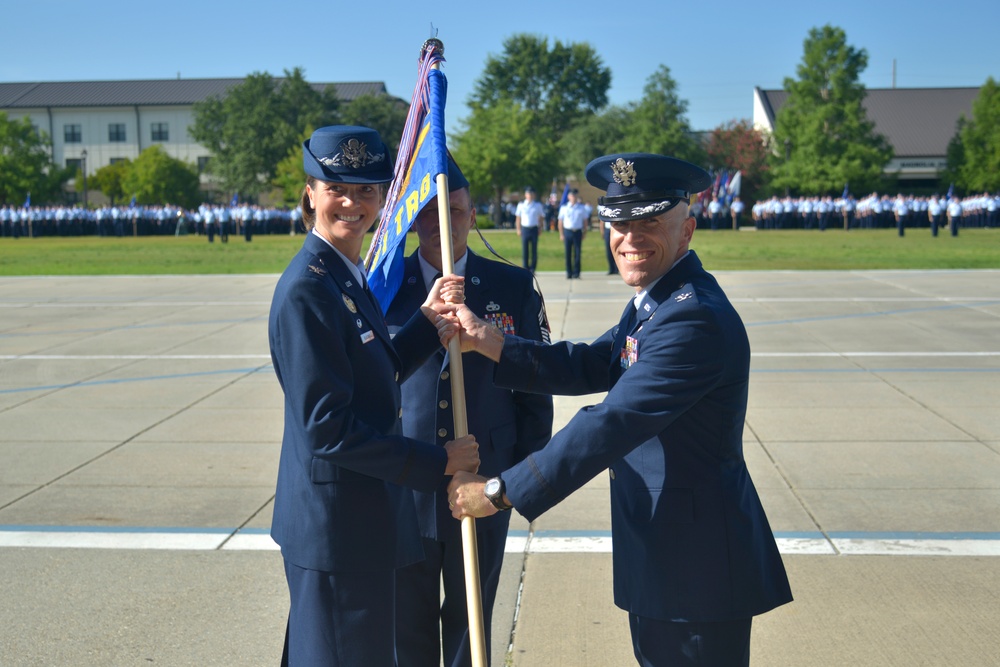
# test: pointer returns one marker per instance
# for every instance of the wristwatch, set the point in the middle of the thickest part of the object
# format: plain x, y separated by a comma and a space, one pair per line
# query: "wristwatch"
494, 491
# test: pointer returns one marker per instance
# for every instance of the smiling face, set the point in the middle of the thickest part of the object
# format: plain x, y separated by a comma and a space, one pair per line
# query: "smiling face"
644, 250
344, 212
428, 226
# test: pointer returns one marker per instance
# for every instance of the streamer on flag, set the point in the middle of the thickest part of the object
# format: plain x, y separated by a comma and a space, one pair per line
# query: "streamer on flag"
422, 156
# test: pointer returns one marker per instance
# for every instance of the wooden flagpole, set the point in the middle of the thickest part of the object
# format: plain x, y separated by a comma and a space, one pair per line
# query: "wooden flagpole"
470, 547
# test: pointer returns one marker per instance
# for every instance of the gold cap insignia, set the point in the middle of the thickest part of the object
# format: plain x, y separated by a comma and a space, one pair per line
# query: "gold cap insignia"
350, 304
624, 172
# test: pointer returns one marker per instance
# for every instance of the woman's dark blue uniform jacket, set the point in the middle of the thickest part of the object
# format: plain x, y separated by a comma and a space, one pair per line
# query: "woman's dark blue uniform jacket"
339, 505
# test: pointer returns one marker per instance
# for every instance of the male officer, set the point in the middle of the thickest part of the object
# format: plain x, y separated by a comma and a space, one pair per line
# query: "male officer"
572, 228
694, 556
528, 219
509, 425
736, 210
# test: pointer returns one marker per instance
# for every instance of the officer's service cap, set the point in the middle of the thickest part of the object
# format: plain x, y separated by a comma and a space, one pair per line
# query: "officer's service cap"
642, 185
347, 154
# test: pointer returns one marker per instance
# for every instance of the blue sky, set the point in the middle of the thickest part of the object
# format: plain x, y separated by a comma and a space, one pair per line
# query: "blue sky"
717, 52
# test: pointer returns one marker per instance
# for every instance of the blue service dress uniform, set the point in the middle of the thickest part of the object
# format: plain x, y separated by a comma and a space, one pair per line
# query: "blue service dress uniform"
691, 540
339, 506
508, 426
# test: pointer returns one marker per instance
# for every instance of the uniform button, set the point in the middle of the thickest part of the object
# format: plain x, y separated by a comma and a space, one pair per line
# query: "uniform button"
401, 413
396, 378
612, 472
443, 404
442, 432
444, 375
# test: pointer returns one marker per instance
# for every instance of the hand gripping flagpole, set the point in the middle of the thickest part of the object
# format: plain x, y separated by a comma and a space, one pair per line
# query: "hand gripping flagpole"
470, 548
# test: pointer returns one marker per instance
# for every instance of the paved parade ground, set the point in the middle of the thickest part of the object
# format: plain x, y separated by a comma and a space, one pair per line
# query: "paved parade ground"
140, 424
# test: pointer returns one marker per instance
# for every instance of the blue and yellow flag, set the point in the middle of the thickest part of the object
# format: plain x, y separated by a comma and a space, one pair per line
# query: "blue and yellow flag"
422, 156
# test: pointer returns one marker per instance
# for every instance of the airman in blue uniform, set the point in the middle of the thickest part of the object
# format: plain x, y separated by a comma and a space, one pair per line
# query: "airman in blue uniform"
343, 511
694, 556
508, 424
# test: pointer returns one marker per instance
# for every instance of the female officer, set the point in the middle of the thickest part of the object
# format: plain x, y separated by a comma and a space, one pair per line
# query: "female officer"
340, 517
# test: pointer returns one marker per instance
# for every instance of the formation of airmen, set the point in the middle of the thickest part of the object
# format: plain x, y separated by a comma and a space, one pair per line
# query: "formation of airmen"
128, 220
876, 211
871, 212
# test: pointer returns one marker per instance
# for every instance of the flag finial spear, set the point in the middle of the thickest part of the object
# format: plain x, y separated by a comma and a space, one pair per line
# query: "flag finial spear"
432, 43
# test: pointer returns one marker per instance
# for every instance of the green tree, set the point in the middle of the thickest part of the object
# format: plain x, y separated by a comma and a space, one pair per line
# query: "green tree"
252, 128
955, 159
290, 176
560, 85
736, 145
108, 179
654, 124
593, 136
383, 113
502, 148
25, 165
157, 178
822, 137
657, 124
980, 142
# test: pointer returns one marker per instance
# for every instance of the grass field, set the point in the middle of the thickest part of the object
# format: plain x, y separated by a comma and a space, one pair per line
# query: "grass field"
722, 250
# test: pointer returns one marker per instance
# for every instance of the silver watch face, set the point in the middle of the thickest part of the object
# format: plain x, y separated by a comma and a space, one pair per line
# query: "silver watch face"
492, 487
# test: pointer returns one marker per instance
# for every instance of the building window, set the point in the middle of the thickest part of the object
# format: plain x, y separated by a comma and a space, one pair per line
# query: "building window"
161, 132
73, 134
73, 165
116, 132
202, 164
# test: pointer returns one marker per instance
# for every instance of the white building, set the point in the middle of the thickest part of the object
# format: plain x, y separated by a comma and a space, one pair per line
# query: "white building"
94, 123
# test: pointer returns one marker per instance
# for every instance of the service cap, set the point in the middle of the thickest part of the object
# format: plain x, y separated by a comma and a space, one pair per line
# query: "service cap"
347, 154
643, 185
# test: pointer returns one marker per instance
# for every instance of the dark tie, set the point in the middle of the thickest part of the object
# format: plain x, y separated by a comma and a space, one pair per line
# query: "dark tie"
625, 326
630, 318
371, 297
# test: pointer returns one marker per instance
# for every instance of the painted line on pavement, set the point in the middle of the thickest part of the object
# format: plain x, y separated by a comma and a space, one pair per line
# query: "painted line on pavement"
518, 541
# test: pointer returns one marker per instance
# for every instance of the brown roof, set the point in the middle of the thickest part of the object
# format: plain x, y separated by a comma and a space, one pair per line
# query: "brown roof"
916, 121
160, 92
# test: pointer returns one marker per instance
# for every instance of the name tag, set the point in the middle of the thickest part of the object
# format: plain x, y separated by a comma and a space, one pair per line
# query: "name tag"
367, 337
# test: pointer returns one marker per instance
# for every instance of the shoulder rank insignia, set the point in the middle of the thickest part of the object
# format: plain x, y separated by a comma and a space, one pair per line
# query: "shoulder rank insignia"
349, 302
683, 297
317, 270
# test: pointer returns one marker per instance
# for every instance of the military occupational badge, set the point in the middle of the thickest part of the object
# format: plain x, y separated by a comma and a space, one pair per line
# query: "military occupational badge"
349, 302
